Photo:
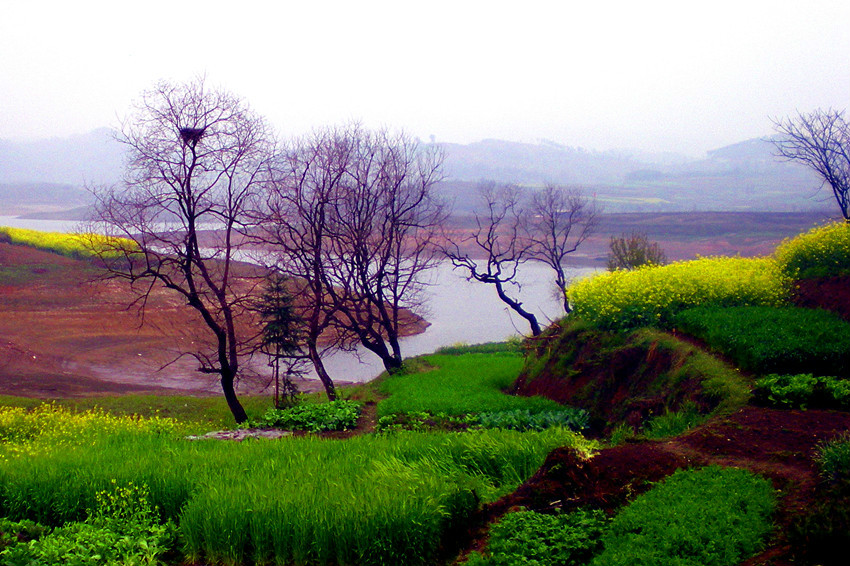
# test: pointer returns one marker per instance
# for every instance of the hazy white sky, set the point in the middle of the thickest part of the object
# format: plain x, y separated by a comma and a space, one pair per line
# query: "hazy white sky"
670, 76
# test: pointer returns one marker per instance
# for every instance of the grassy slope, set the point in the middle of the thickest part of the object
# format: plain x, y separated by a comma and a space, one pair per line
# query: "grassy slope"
628, 377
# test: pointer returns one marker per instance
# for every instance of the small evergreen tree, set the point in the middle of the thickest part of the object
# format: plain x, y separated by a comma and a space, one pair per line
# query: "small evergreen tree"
634, 250
281, 338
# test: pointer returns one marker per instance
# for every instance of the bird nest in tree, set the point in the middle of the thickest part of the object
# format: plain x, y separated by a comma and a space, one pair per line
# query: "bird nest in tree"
191, 135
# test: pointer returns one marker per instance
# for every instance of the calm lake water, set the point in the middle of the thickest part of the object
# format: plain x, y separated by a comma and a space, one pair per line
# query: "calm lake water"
459, 311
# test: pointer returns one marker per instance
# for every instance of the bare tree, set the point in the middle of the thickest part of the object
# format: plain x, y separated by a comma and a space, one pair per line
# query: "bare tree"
383, 232
821, 141
296, 219
629, 251
355, 216
500, 237
560, 219
197, 158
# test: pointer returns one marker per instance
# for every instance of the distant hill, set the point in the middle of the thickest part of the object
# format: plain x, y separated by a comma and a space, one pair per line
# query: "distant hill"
26, 198
739, 177
745, 176
94, 157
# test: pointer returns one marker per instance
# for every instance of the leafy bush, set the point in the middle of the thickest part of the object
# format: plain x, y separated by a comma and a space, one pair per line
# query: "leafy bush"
629, 251
651, 296
123, 529
14, 532
335, 415
459, 385
765, 339
821, 252
801, 391
708, 517
526, 537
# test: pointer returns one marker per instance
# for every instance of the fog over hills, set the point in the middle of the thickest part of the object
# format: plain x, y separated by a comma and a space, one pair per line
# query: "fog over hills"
50, 175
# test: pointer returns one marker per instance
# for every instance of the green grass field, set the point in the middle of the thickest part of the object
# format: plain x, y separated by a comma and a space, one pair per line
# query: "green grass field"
459, 384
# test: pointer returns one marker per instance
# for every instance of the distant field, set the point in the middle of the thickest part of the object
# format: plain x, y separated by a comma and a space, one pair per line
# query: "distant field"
686, 235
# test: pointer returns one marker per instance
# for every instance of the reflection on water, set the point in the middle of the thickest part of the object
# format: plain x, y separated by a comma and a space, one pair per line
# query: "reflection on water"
458, 310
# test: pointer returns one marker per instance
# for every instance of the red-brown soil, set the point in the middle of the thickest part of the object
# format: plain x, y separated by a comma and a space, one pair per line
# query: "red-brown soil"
829, 293
63, 333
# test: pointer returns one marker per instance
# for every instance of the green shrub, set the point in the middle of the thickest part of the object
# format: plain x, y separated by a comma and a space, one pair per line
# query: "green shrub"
335, 415
770, 340
651, 296
801, 391
708, 517
821, 252
526, 537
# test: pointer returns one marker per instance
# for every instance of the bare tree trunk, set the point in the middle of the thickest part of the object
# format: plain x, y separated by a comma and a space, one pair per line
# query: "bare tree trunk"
316, 358
227, 378
517, 307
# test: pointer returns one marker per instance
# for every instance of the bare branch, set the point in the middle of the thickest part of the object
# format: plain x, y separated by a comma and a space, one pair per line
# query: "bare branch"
499, 236
560, 219
821, 141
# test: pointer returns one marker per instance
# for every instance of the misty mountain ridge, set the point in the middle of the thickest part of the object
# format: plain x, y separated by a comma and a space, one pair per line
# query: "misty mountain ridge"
95, 157
741, 176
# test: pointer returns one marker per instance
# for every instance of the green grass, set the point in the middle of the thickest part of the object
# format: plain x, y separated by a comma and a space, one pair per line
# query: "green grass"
833, 458
773, 340
509, 346
19, 275
708, 517
674, 423
633, 366
202, 413
368, 500
469, 383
